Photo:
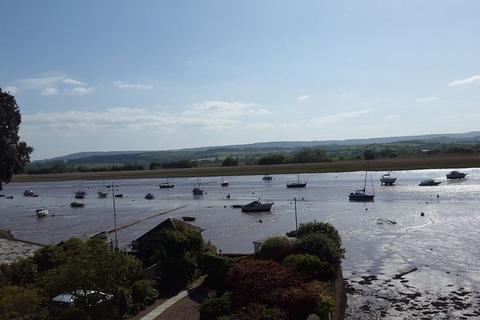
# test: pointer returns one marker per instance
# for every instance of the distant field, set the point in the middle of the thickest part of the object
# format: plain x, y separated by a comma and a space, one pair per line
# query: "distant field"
427, 162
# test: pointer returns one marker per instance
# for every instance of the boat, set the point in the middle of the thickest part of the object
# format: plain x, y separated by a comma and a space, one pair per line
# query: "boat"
102, 235
119, 195
297, 184
267, 177
188, 218
80, 194
456, 175
149, 196
30, 193
2, 195
388, 180
9, 197
429, 182
42, 212
225, 183
166, 185
361, 195
197, 191
76, 204
257, 206
102, 194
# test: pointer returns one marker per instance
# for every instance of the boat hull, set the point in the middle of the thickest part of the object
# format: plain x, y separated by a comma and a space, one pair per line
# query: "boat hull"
456, 176
296, 185
257, 207
361, 198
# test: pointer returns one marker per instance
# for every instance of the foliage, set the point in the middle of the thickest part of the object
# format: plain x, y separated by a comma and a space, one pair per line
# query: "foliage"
213, 307
308, 155
311, 266
274, 285
179, 164
276, 158
20, 303
321, 246
216, 268
143, 292
255, 311
319, 227
14, 154
369, 154
275, 248
230, 161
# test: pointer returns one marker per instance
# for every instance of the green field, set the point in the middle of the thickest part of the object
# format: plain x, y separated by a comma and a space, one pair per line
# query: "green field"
426, 162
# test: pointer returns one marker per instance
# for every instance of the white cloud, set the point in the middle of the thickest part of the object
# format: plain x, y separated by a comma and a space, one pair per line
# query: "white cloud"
56, 84
79, 91
49, 91
304, 97
426, 99
209, 114
338, 117
462, 82
11, 89
128, 85
260, 126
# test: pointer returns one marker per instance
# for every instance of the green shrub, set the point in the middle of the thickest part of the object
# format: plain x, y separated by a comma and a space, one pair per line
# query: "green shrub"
275, 248
143, 292
216, 268
311, 266
20, 303
321, 246
319, 227
213, 308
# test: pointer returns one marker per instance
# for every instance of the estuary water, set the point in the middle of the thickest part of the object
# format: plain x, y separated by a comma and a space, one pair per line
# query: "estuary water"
442, 246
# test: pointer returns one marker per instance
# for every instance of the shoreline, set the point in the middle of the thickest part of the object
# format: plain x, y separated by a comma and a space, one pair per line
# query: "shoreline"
414, 163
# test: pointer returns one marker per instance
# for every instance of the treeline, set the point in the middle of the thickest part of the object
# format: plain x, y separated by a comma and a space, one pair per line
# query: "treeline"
61, 167
306, 155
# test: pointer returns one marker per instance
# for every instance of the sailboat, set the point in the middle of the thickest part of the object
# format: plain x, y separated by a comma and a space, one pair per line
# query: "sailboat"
166, 185
197, 191
224, 183
361, 195
297, 184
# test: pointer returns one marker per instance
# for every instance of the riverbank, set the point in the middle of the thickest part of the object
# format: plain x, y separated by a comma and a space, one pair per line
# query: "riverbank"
426, 162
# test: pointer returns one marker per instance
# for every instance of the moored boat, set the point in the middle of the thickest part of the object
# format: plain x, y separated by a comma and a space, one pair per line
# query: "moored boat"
257, 206
388, 180
76, 204
267, 177
102, 194
42, 212
429, 182
361, 195
297, 184
225, 183
30, 193
149, 196
197, 191
188, 218
456, 175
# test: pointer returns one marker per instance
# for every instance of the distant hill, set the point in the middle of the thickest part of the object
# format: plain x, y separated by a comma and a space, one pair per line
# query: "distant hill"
251, 150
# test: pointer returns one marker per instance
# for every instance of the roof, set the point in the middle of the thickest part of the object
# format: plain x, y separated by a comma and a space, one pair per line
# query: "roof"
170, 224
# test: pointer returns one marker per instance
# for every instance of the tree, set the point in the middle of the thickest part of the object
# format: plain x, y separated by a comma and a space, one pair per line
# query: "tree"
230, 161
369, 154
14, 154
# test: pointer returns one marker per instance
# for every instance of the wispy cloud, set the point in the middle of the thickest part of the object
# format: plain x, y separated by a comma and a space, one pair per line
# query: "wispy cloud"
56, 84
304, 97
391, 117
208, 114
260, 126
426, 99
338, 117
129, 85
10, 89
467, 81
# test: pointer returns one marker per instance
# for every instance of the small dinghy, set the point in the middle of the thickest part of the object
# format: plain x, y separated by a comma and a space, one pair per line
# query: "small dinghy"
42, 212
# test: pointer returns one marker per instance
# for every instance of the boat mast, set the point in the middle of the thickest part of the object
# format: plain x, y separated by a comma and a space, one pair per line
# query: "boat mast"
365, 182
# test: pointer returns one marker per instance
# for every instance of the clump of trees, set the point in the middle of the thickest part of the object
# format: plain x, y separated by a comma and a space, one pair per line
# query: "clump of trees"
305, 155
14, 154
286, 279
229, 162
74, 266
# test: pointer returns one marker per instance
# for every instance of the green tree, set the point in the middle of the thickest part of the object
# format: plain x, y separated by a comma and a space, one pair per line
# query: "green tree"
14, 154
230, 161
369, 154
21, 303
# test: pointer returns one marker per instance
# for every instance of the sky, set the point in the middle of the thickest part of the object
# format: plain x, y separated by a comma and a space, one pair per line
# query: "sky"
155, 75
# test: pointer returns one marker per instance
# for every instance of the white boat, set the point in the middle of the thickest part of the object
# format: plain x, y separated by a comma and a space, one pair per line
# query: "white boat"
30, 193
225, 183
388, 180
102, 194
42, 212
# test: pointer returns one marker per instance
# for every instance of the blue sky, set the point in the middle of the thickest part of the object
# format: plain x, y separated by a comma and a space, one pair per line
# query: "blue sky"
152, 75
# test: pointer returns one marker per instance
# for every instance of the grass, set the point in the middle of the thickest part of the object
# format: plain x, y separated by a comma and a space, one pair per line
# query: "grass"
421, 162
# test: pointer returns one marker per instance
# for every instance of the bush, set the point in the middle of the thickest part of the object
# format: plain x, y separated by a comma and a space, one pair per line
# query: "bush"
216, 268
319, 227
20, 303
321, 246
275, 248
271, 159
230, 161
213, 308
311, 266
143, 292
